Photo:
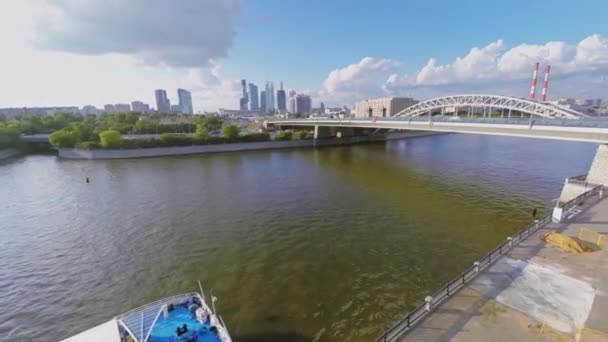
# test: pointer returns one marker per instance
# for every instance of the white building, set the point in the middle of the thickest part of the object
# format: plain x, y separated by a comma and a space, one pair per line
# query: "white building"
383, 107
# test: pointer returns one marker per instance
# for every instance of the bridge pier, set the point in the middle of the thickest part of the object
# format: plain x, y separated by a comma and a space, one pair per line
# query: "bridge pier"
597, 175
321, 132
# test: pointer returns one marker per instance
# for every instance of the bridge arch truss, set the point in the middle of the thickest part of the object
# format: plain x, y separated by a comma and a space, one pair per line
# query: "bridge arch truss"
510, 103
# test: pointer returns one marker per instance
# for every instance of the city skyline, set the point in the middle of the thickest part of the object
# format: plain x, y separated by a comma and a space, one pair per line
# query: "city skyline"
382, 60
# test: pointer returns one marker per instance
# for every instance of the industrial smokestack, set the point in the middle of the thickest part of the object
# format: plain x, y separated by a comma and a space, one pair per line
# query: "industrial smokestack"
545, 84
534, 78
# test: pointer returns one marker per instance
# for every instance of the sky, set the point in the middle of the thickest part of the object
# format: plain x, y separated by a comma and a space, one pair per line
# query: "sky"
81, 52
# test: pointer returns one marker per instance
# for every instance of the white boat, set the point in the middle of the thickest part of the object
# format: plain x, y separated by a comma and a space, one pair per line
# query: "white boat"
181, 318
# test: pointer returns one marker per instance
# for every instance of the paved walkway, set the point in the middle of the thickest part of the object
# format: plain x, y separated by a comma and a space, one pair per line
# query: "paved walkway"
532, 284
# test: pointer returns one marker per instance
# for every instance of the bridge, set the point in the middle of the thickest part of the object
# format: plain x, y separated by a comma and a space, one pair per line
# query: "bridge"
473, 114
479, 114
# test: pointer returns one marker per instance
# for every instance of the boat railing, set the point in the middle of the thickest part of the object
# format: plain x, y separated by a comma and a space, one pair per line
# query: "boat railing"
431, 302
140, 321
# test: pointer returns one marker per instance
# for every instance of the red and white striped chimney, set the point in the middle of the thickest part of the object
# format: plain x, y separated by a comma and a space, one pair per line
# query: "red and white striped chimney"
534, 78
545, 84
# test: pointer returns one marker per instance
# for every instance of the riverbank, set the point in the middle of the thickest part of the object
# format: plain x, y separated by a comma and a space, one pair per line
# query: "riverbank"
8, 153
531, 290
70, 153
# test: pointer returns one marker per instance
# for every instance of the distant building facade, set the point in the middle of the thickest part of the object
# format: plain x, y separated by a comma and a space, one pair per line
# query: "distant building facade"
185, 101
163, 105
244, 100
263, 101
292, 102
254, 98
383, 107
140, 107
281, 99
303, 104
89, 110
109, 108
122, 107
269, 91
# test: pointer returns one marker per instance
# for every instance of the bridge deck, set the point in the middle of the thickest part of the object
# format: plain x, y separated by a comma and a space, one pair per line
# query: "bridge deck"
532, 284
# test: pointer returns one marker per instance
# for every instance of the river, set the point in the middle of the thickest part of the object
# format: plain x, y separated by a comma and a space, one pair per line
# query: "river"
332, 244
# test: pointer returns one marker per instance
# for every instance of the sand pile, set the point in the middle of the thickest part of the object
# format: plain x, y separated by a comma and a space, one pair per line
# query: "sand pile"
564, 242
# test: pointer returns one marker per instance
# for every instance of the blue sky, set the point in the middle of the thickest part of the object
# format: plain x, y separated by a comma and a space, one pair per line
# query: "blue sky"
66, 52
302, 42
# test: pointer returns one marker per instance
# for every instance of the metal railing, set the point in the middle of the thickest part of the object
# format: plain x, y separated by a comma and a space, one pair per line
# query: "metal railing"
457, 283
589, 123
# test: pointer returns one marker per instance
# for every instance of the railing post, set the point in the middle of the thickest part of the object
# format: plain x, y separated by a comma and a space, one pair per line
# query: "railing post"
476, 264
428, 300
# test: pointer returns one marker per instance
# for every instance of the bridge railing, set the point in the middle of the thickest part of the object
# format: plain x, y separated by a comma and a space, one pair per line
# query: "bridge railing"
588, 122
457, 283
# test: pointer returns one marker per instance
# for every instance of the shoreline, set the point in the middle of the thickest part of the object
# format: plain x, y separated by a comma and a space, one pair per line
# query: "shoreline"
8, 153
98, 154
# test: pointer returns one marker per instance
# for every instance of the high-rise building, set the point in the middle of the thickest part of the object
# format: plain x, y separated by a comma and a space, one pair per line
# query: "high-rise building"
109, 108
263, 108
270, 97
254, 99
303, 104
281, 99
244, 99
185, 101
322, 108
122, 107
140, 107
292, 101
163, 105
383, 107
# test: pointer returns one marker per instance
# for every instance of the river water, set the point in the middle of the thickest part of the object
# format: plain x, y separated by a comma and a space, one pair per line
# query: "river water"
333, 244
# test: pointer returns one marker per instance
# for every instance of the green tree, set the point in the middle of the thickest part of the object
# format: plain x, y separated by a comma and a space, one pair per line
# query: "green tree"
230, 132
201, 132
213, 123
110, 139
9, 135
301, 135
63, 138
283, 135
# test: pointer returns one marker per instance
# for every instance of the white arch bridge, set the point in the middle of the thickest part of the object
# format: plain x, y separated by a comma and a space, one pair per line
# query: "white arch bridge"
506, 104
472, 114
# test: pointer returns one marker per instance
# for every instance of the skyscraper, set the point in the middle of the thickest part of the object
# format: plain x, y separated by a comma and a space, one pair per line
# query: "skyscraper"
303, 104
254, 99
140, 107
270, 97
263, 101
185, 101
244, 99
292, 101
163, 105
281, 99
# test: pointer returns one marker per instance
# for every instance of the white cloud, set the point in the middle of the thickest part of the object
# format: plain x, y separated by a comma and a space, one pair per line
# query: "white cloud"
365, 77
54, 77
489, 63
184, 33
577, 70
479, 64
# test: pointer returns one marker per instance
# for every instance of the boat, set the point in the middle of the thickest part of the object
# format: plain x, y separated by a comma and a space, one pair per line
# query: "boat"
181, 318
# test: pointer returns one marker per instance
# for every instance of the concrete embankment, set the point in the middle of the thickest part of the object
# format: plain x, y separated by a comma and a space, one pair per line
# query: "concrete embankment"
534, 292
8, 153
70, 153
